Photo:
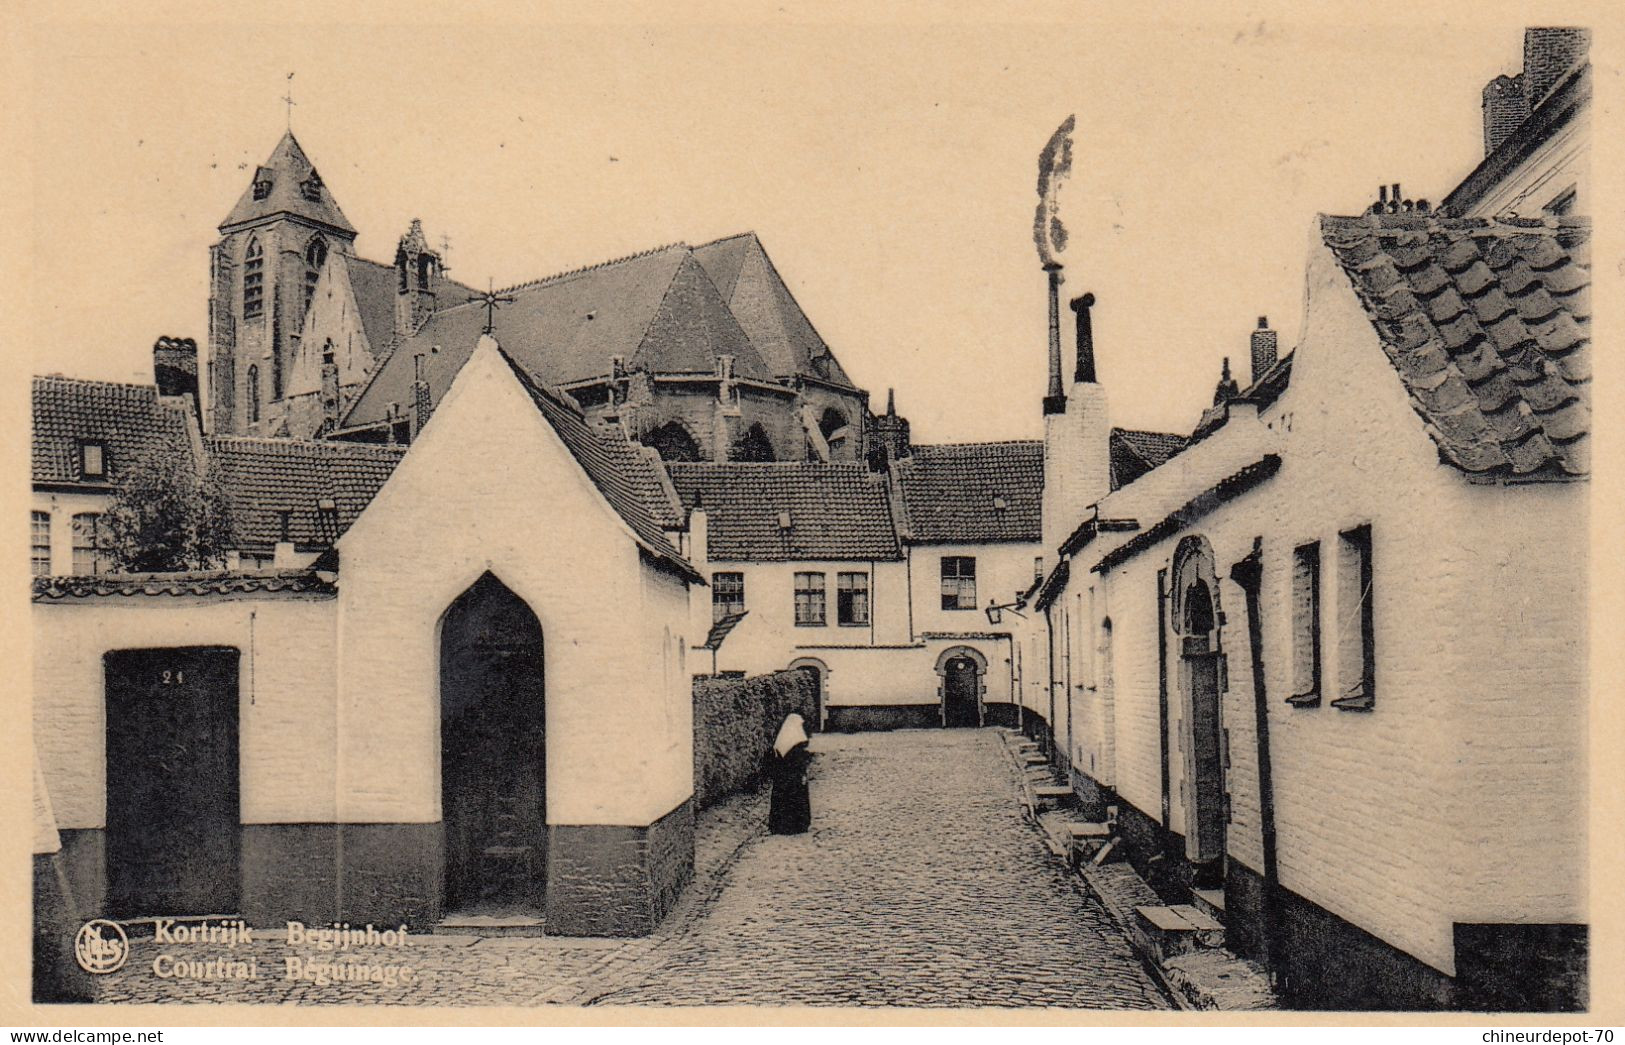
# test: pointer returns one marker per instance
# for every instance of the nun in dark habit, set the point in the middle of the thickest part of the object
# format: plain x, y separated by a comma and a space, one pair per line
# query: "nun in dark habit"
789, 810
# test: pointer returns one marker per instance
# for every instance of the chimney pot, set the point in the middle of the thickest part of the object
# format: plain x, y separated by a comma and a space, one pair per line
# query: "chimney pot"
1085, 372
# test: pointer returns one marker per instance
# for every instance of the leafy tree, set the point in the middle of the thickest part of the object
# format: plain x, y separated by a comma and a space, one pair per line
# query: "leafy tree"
165, 517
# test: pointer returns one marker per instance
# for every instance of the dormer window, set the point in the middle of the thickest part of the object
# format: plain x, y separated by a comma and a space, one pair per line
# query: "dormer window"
262, 187
92, 460
311, 188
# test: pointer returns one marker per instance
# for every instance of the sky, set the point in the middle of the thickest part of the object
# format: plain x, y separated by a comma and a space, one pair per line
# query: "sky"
888, 165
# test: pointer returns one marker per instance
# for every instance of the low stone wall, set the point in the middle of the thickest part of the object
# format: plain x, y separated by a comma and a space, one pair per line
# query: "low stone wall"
735, 721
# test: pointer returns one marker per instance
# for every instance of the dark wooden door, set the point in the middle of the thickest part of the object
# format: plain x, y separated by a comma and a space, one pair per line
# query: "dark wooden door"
959, 693
1208, 756
173, 821
493, 754
815, 721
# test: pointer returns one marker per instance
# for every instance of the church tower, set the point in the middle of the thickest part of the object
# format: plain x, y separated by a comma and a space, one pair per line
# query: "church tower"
263, 272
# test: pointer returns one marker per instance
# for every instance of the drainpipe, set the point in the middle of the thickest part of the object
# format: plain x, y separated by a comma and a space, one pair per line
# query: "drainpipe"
1249, 574
1162, 687
1049, 638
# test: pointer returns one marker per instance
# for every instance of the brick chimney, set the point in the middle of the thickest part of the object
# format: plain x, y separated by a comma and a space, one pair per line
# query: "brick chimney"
1264, 348
1548, 53
1506, 106
1085, 372
174, 366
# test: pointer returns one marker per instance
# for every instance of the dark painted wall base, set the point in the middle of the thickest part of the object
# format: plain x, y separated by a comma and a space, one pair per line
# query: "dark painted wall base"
57, 918
856, 718
1325, 962
1006, 715
617, 881
603, 881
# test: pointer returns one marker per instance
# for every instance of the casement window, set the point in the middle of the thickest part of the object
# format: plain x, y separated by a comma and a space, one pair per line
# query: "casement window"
315, 257
1356, 626
727, 595
958, 582
87, 557
92, 460
810, 600
852, 599
1305, 626
253, 280
39, 534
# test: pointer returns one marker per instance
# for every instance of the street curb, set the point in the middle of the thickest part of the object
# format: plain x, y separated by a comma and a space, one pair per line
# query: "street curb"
1204, 981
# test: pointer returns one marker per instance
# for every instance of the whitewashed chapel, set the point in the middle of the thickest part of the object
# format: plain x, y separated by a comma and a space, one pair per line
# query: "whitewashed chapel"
1315, 661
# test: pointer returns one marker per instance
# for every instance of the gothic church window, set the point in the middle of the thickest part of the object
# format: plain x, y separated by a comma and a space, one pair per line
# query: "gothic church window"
315, 256
425, 267
253, 280
753, 445
673, 442
253, 394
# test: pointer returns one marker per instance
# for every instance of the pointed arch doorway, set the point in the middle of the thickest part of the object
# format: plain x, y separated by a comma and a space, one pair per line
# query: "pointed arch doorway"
493, 754
1196, 618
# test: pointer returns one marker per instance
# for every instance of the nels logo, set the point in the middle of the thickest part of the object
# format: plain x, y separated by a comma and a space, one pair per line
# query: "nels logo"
101, 946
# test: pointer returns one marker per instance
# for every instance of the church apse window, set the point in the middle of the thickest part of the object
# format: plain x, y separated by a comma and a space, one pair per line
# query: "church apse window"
673, 442
753, 446
253, 280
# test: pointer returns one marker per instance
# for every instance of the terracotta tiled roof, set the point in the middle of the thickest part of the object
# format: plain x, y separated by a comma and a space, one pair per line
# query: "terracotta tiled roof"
1204, 503
279, 582
626, 473
130, 420
834, 511
265, 477
1135, 452
1488, 323
973, 492
288, 169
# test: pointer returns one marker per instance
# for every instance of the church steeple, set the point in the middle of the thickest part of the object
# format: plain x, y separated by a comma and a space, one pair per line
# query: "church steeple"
287, 183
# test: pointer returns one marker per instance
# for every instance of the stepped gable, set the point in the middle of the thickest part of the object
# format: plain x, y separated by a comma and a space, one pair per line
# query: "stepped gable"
973, 492
834, 510
321, 486
1488, 324
131, 421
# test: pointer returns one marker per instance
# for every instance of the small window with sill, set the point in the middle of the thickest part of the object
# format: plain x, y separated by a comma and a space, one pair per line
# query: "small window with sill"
1356, 623
810, 600
1305, 626
852, 599
727, 595
39, 527
92, 459
958, 582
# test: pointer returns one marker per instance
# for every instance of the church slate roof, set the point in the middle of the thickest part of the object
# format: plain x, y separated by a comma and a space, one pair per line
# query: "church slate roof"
657, 310
1488, 324
132, 421
769, 313
288, 169
1135, 452
265, 477
835, 510
951, 492
627, 474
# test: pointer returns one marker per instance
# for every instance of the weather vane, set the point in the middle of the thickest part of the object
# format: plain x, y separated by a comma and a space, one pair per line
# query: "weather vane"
490, 299
288, 98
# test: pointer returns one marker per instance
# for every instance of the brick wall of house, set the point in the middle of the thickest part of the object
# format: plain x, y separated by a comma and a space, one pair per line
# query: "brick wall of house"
285, 709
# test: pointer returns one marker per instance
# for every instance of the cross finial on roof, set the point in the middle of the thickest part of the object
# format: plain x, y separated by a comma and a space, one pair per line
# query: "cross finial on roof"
490, 299
288, 98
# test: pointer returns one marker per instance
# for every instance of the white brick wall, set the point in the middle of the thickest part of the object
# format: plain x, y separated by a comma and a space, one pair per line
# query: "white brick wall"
1462, 796
489, 486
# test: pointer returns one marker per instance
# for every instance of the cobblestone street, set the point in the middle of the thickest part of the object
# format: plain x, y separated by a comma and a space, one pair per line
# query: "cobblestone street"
919, 885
